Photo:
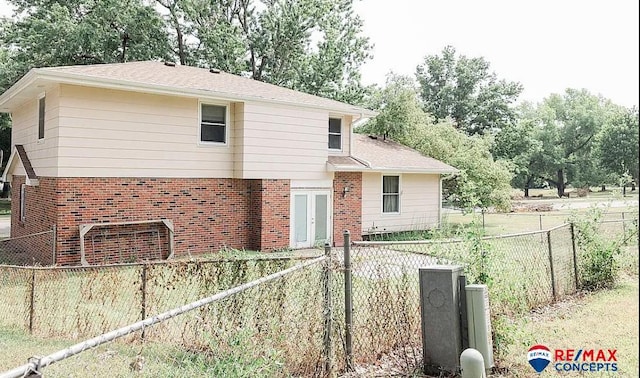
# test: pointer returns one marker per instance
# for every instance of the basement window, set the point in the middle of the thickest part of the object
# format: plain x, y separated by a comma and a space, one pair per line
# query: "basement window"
213, 123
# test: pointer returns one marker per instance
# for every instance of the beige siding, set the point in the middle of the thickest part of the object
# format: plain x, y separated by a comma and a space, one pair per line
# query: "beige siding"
283, 142
110, 133
419, 203
24, 130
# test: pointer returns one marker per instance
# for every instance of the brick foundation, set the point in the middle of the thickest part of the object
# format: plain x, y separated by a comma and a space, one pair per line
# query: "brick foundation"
347, 208
208, 214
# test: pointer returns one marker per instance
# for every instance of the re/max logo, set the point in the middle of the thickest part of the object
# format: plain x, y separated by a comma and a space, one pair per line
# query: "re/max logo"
590, 355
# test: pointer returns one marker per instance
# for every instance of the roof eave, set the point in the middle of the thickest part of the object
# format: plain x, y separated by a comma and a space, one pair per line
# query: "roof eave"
337, 168
78, 79
27, 80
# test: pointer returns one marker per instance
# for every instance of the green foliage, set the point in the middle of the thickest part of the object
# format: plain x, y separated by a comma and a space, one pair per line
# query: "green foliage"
399, 110
466, 91
482, 182
616, 145
53, 33
598, 264
315, 46
518, 143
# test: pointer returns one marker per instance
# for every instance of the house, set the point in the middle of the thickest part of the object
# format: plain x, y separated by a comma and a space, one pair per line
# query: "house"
146, 160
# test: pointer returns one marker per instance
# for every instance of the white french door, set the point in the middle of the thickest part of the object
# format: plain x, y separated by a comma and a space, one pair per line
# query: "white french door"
310, 217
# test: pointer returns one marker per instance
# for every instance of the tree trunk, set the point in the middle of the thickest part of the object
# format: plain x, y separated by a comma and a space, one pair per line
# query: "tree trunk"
624, 190
560, 183
603, 188
526, 186
181, 53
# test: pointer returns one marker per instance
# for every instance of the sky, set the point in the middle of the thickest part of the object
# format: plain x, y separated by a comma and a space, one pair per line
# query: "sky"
546, 45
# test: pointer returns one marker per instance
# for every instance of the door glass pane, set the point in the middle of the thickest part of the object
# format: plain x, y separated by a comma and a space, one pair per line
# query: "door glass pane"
321, 217
300, 217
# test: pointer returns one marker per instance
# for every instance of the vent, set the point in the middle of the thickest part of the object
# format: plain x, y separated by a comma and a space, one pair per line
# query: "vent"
214, 70
170, 64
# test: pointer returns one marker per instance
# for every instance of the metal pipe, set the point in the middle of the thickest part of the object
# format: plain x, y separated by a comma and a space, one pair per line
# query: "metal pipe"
348, 302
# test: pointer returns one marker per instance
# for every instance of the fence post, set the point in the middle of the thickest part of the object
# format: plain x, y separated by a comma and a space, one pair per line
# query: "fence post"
348, 303
553, 280
328, 313
32, 301
575, 256
53, 243
540, 221
143, 292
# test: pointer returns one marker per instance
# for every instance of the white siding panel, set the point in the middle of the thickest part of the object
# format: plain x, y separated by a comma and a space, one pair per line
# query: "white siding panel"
419, 203
116, 133
24, 130
284, 142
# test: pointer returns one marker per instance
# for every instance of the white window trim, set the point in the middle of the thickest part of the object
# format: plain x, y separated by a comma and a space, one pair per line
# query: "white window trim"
399, 176
227, 120
23, 203
341, 133
44, 131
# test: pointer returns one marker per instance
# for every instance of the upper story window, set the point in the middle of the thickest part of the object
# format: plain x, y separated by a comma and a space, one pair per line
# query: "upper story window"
213, 123
335, 134
41, 117
390, 194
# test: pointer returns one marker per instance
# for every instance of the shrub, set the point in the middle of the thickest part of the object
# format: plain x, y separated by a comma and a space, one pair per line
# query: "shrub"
598, 264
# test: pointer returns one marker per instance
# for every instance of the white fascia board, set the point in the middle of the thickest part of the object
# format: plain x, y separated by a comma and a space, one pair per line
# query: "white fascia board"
18, 87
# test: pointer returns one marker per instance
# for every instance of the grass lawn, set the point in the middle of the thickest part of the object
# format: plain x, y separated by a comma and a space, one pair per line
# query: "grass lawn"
511, 223
607, 319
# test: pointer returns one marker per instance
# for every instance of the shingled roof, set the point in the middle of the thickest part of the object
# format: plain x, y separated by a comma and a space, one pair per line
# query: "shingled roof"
153, 76
371, 153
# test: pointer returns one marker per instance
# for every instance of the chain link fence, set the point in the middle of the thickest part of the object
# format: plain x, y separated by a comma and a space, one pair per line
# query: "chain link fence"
33, 249
274, 329
298, 324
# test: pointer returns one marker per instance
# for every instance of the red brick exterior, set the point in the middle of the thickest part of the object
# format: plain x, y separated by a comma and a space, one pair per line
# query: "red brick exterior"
347, 207
208, 214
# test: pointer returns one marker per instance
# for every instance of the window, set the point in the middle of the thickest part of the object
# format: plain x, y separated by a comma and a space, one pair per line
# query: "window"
41, 118
213, 123
23, 190
335, 133
390, 194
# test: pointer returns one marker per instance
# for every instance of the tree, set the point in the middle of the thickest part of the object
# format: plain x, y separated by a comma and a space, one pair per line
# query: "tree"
400, 110
567, 125
616, 145
482, 182
53, 33
314, 46
466, 91
518, 143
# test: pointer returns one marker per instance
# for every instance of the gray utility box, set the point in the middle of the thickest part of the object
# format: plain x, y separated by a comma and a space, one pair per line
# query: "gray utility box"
441, 332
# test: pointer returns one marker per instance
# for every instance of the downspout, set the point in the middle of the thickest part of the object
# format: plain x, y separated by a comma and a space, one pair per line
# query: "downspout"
440, 201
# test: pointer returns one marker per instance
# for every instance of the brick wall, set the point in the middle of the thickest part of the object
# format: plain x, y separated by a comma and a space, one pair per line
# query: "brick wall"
274, 218
347, 209
208, 214
40, 216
